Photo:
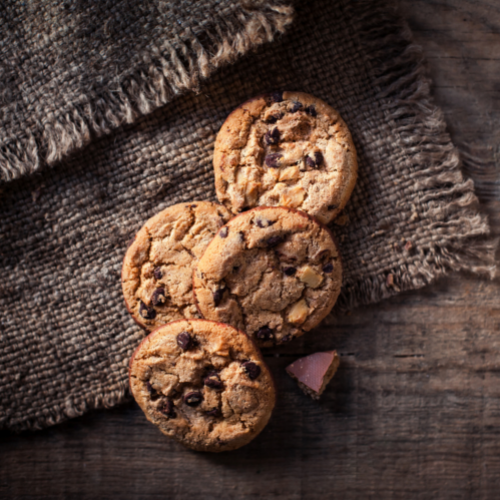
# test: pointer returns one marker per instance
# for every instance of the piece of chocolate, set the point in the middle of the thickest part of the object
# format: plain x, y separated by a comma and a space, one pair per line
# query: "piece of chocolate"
313, 372
224, 232
217, 295
213, 380
146, 312
167, 408
264, 333
158, 298
273, 160
272, 137
252, 369
184, 341
157, 273
193, 398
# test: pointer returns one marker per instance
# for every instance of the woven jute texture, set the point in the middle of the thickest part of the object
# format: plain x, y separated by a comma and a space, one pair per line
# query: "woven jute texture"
66, 335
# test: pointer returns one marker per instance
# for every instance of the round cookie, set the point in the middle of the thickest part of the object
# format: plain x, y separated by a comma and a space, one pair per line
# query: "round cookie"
158, 266
288, 149
272, 272
203, 383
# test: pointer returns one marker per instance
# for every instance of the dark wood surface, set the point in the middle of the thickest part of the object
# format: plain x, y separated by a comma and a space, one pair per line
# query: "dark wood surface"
414, 411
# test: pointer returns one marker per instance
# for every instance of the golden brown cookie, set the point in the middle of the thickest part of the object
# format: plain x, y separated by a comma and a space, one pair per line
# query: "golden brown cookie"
158, 266
288, 149
203, 383
272, 272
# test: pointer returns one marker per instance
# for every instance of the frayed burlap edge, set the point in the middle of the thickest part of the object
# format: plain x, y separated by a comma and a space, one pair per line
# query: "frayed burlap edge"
387, 43
183, 65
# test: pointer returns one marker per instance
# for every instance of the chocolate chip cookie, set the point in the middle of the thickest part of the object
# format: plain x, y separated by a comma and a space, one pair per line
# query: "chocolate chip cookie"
203, 383
158, 266
288, 149
272, 272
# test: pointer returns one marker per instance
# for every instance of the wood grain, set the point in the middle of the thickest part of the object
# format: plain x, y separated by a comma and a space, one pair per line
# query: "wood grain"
414, 411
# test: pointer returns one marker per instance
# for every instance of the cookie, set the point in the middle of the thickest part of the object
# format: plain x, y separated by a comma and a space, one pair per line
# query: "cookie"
202, 383
288, 149
158, 266
272, 272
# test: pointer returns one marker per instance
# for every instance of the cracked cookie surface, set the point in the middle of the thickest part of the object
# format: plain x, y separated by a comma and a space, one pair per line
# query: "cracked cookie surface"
203, 383
272, 272
158, 266
288, 149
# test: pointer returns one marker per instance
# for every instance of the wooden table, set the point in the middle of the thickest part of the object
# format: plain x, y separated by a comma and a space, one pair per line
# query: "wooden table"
414, 411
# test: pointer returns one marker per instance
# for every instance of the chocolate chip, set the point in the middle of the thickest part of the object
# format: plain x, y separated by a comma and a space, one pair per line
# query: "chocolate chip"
274, 118
242, 236
167, 408
193, 398
218, 296
286, 339
224, 232
251, 369
274, 240
264, 333
158, 297
328, 268
157, 273
184, 341
296, 106
272, 137
214, 413
318, 156
264, 222
310, 162
146, 312
311, 110
212, 380
273, 160
152, 392
277, 96
289, 271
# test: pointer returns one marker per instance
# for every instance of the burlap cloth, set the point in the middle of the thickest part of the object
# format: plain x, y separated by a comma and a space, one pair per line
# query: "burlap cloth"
97, 98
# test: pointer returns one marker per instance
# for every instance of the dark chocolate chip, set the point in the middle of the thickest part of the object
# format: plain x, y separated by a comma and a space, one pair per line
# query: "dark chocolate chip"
286, 339
242, 236
264, 222
311, 110
251, 369
193, 398
273, 160
146, 312
272, 137
224, 232
274, 118
212, 380
214, 413
167, 408
328, 268
296, 106
277, 96
318, 157
184, 341
274, 240
289, 271
310, 162
158, 297
218, 294
152, 392
264, 333
157, 273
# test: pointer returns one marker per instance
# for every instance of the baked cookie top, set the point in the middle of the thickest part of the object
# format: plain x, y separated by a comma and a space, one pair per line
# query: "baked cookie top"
288, 149
203, 383
158, 266
272, 272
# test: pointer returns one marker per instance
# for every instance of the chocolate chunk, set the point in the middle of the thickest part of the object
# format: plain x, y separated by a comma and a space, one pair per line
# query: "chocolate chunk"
146, 312
318, 157
157, 273
273, 160
274, 118
296, 107
264, 222
158, 298
213, 380
272, 137
264, 333
224, 232
290, 270
184, 341
152, 392
277, 96
218, 294
193, 398
310, 162
328, 268
275, 240
214, 413
252, 369
314, 372
311, 110
167, 408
